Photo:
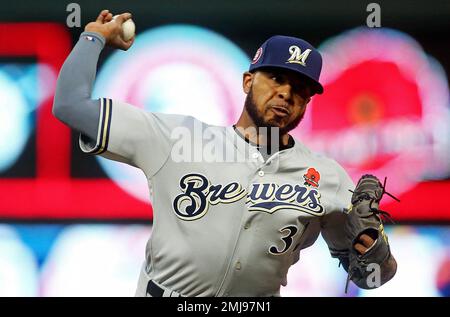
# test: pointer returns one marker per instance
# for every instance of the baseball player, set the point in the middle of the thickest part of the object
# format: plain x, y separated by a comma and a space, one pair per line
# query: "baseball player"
230, 227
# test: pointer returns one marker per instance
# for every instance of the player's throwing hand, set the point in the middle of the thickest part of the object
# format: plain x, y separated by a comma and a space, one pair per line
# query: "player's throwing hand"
111, 29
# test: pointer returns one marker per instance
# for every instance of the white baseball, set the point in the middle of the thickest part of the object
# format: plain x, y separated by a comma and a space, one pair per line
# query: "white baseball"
128, 29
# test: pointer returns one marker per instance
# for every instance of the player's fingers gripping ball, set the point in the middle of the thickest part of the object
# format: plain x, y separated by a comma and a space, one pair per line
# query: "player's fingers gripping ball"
128, 29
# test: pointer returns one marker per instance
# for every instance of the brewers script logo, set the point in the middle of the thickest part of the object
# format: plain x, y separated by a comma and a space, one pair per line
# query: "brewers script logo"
297, 56
198, 194
271, 197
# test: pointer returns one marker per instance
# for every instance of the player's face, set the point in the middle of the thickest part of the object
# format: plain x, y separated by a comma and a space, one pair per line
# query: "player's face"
276, 98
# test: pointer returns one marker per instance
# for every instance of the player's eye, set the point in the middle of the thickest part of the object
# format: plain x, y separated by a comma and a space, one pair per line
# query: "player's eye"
302, 89
279, 79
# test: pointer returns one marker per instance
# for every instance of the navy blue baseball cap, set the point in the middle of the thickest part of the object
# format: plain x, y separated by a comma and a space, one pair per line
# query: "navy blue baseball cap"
290, 53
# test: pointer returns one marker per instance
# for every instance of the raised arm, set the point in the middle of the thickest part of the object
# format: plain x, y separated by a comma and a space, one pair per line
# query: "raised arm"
72, 103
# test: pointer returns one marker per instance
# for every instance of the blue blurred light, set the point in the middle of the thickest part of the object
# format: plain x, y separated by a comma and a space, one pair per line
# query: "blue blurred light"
15, 118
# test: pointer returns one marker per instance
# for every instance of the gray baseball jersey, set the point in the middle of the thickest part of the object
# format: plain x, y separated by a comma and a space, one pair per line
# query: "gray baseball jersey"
224, 224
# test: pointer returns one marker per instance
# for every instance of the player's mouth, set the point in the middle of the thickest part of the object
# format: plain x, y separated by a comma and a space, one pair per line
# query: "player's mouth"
280, 111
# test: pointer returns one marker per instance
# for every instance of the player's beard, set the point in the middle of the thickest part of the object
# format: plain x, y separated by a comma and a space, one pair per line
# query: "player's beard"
258, 118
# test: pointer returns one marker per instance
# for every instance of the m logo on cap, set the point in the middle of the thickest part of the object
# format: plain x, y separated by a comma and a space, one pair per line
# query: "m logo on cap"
297, 56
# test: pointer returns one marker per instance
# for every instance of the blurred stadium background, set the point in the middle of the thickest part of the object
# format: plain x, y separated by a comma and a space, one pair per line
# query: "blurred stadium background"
72, 225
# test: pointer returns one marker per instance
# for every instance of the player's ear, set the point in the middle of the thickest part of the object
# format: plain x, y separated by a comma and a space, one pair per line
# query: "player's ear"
247, 80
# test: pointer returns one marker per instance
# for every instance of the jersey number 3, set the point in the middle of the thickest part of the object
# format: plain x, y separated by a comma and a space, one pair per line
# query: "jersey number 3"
287, 239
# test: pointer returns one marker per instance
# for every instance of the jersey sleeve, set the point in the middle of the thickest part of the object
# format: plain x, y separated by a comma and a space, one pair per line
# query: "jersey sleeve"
132, 135
333, 222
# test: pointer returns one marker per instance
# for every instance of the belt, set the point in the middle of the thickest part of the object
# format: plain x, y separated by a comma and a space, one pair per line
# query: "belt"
156, 291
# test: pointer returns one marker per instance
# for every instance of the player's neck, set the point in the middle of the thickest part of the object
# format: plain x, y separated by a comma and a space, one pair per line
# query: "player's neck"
257, 135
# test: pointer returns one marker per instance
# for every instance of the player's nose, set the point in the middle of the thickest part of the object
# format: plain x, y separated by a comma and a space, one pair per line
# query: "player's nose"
285, 92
